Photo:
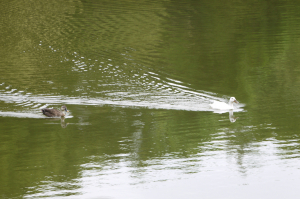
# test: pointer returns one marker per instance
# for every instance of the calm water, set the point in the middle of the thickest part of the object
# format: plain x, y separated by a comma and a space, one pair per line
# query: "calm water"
138, 78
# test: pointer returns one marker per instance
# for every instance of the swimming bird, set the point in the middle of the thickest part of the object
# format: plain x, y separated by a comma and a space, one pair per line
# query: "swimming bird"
55, 113
223, 105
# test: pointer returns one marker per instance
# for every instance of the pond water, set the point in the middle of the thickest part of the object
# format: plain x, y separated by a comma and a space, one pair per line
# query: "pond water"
138, 79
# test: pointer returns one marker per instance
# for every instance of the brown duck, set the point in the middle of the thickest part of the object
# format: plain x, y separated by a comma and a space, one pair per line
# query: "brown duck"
55, 113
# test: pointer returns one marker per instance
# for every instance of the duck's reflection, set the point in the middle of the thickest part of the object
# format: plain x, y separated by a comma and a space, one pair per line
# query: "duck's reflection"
62, 121
231, 117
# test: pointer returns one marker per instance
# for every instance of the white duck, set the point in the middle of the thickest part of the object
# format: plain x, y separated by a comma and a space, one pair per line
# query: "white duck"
223, 105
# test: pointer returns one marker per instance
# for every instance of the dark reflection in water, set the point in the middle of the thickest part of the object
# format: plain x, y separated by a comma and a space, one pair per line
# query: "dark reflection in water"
63, 123
139, 78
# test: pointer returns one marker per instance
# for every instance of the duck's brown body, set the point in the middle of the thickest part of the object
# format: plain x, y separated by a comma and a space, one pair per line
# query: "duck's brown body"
55, 113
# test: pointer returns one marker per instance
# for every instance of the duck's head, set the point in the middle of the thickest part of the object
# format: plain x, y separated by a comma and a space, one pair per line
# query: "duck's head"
64, 108
232, 99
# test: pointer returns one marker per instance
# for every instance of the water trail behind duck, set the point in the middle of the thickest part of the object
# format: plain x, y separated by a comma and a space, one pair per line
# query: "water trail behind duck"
99, 82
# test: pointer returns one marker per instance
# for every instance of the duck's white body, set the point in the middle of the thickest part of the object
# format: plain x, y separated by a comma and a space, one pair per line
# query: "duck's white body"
223, 105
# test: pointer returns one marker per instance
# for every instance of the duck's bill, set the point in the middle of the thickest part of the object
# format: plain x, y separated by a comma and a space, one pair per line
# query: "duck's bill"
236, 101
